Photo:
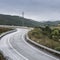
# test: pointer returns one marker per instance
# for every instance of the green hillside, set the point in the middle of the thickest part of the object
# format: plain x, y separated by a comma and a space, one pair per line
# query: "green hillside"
16, 20
51, 23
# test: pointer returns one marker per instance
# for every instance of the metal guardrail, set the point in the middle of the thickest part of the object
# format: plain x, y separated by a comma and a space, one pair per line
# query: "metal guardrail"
49, 49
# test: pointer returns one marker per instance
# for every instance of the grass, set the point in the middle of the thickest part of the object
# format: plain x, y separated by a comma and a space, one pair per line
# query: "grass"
38, 37
3, 29
56, 27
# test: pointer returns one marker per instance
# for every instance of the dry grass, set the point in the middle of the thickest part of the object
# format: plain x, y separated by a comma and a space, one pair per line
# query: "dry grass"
57, 27
3, 29
44, 40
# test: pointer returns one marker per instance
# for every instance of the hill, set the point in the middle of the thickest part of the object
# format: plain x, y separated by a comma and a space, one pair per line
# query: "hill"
17, 21
20, 21
51, 23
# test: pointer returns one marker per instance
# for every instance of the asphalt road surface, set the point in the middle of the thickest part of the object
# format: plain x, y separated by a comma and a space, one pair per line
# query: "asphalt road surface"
15, 46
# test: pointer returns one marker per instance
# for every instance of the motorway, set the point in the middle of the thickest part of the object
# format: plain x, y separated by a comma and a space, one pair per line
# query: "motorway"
15, 46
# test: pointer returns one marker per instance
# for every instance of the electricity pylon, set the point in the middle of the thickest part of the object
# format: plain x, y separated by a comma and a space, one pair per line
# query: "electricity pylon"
23, 20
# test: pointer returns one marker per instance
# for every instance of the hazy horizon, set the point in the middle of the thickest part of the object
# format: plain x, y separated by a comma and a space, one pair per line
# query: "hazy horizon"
38, 10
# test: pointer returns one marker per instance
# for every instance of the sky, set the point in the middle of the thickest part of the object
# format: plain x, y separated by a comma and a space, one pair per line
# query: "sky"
38, 10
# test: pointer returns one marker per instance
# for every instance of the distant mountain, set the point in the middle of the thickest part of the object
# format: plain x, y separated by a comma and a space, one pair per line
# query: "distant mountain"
51, 23
16, 20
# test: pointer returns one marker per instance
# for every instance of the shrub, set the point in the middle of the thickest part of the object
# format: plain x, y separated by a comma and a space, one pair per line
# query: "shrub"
2, 56
57, 48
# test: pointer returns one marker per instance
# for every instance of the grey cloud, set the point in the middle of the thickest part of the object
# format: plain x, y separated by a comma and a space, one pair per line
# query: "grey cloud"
34, 8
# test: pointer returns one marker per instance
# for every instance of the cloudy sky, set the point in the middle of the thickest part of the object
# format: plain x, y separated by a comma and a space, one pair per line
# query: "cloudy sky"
39, 10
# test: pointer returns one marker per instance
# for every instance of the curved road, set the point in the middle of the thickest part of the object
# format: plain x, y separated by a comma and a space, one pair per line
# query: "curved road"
15, 46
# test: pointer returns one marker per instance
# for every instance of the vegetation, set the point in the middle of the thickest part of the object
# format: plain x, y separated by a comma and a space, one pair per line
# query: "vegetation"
2, 57
3, 29
46, 36
17, 21
51, 23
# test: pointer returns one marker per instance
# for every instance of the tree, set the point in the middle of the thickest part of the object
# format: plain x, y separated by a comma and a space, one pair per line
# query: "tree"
47, 31
55, 34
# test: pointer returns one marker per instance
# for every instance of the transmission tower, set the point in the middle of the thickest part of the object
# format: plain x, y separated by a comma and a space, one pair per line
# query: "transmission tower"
23, 20
22, 14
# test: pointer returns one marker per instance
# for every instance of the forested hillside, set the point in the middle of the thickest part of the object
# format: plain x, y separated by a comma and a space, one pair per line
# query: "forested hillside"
16, 20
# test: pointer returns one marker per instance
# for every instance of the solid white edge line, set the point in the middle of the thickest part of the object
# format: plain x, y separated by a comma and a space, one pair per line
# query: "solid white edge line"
16, 51
47, 54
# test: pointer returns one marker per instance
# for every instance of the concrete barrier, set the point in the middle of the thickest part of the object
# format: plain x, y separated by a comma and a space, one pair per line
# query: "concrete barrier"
5, 33
42, 46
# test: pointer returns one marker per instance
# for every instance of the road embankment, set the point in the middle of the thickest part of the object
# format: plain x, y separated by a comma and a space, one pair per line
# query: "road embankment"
41, 46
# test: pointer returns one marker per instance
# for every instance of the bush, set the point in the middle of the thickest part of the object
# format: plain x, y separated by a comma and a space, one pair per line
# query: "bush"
49, 39
58, 48
55, 34
2, 56
3, 29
